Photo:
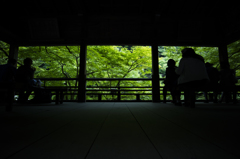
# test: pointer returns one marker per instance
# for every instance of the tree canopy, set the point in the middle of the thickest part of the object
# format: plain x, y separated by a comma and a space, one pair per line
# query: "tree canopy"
102, 62
110, 61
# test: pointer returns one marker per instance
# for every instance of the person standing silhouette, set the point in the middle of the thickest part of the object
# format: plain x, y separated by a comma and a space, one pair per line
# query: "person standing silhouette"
7, 80
25, 75
214, 77
192, 73
8, 71
171, 81
227, 80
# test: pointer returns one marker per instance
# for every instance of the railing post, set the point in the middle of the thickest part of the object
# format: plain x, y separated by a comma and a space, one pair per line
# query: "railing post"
164, 94
138, 97
83, 58
82, 74
155, 75
223, 54
13, 52
99, 97
119, 95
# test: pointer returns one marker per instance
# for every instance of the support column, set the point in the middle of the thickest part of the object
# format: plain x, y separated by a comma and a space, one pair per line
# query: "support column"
222, 46
155, 75
223, 54
82, 74
13, 52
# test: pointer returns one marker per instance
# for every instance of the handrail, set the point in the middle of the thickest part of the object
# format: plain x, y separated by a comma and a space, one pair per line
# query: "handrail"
113, 90
100, 79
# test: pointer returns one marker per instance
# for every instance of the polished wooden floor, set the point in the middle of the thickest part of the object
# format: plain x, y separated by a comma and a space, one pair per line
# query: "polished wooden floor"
120, 131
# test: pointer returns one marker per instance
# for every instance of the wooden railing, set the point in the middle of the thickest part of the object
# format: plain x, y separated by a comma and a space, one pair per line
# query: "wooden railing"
110, 92
120, 91
116, 92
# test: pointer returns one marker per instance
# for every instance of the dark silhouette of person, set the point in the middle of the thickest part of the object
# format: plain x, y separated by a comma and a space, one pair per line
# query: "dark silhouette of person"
214, 77
8, 71
192, 74
171, 81
24, 77
7, 79
227, 80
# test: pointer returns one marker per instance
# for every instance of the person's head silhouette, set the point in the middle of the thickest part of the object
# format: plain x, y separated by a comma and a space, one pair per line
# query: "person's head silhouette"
12, 61
27, 62
171, 63
224, 65
188, 52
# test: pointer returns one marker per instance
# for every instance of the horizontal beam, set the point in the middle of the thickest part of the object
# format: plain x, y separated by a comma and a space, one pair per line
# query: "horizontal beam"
8, 37
118, 42
233, 37
99, 79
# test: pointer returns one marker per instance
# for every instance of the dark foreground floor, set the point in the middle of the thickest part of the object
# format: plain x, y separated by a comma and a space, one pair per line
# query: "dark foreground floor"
120, 131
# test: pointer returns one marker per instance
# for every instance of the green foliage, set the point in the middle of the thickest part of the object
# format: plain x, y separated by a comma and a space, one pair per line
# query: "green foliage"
4, 52
102, 62
110, 62
118, 62
234, 56
210, 54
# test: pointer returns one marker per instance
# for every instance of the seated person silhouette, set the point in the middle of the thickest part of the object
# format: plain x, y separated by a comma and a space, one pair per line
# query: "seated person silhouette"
171, 81
7, 77
214, 77
227, 80
24, 78
192, 73
8, 71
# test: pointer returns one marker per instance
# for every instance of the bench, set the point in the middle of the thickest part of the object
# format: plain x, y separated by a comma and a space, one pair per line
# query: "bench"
231, 89
99, 95
7, 98
58, 92
119, 95
114, 91
119, 91
10, 91
57, 89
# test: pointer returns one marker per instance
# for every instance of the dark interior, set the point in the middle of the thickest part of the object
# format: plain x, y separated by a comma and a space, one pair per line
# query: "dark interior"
107, 22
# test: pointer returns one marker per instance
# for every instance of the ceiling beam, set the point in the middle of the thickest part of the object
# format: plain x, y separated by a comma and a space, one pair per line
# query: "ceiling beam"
141, 42
8, 37
233, 37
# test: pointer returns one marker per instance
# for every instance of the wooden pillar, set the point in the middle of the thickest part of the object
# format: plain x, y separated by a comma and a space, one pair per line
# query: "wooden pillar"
222, 46
118, 94
155, 75
13, 52
223, 54
82, 74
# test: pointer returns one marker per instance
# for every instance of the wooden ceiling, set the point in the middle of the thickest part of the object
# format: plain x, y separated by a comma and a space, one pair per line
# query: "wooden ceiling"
125, 22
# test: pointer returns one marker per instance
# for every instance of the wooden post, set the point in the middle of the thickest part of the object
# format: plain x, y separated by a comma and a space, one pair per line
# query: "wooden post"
118, 94
13, 52
138, 97
155, 75
57, 97
222, 46
223, 54
164, 94
99, 97
82, 74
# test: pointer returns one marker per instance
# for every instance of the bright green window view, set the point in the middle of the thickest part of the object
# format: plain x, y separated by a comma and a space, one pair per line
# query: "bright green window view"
111, 62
